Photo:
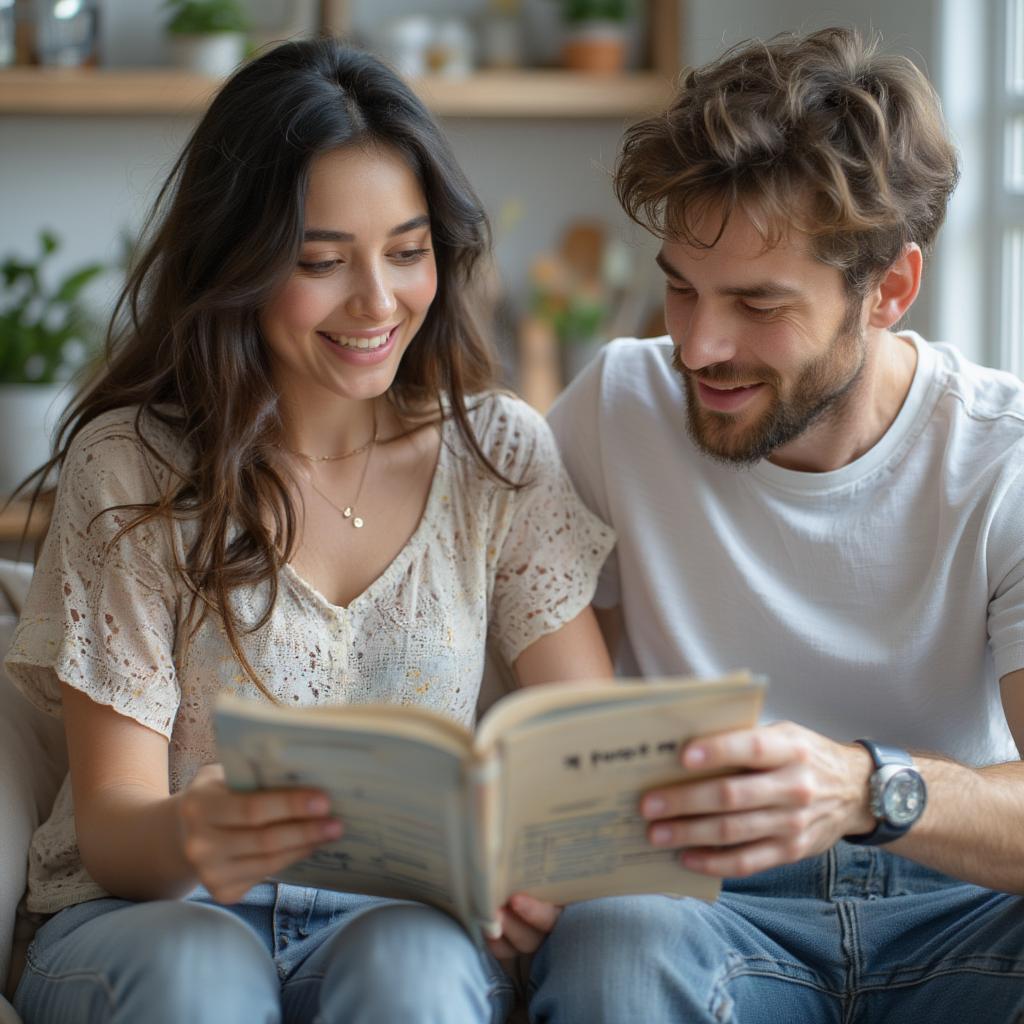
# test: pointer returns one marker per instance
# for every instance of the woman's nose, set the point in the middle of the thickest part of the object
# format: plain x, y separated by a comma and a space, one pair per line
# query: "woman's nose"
372, 296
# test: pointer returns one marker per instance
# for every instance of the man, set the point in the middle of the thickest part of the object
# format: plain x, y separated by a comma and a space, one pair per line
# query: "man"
801, 489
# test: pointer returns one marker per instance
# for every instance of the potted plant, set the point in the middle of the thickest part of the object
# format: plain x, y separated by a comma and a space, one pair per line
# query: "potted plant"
45, 337
581, 291
206, 36
595, 34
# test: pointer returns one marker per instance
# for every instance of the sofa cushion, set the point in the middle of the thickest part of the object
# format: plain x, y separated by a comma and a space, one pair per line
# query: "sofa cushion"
33, 762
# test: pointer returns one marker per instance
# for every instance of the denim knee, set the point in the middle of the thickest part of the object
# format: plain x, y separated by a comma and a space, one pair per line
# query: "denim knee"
204, 949
165, 961
410, 963
614, 959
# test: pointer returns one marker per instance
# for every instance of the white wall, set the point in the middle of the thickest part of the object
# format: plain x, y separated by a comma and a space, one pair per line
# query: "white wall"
89, 177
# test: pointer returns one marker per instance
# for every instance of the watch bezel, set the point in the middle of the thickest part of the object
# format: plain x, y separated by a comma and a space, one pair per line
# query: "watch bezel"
888, 785
890, 763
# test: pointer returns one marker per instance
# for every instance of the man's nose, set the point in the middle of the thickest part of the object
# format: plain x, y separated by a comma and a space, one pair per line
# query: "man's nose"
703, 336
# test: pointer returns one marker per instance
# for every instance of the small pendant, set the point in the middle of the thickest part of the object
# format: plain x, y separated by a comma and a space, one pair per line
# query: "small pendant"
348, 512
357, 523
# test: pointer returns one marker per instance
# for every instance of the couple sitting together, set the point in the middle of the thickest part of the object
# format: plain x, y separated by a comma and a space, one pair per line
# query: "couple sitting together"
294, 478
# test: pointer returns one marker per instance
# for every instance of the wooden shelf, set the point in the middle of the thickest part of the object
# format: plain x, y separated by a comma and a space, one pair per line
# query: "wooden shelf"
115, 92
546, 94
12, 521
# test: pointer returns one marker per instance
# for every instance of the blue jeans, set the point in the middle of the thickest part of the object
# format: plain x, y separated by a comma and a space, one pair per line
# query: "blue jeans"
855, 936
284, 954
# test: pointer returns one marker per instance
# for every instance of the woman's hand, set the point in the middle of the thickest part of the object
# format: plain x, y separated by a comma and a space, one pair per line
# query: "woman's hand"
234, 840
525, 923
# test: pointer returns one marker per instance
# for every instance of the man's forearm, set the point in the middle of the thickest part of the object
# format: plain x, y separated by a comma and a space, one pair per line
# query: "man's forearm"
973, 825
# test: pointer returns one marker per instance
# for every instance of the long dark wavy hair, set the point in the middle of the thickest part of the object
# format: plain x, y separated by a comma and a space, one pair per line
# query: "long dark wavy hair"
225, 232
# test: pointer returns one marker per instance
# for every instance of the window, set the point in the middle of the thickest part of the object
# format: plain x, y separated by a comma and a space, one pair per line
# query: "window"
1009, 191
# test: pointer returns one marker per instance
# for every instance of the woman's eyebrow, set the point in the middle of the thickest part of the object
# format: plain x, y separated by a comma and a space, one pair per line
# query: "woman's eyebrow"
328, 235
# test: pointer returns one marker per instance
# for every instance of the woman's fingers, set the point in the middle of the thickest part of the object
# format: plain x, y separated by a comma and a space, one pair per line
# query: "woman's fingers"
229, 881
537, 913
522, 934
501, 949
208, 799
220, 807
268, 841
232, 840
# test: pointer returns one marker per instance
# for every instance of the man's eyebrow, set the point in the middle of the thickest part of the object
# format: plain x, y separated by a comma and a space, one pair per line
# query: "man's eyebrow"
764, 290
759, 290
671, 271
327, 235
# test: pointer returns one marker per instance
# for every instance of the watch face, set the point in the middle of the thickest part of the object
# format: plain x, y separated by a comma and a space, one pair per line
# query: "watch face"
903, 798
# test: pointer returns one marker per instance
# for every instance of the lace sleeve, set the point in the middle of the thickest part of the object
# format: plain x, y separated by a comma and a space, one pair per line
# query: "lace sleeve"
577, 419
101, 615
550, 545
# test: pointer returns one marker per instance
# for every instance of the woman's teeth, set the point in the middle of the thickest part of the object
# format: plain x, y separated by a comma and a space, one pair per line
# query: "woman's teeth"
362, 344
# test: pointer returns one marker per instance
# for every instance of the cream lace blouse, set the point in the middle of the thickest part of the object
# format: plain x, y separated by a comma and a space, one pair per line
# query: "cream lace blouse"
485, 561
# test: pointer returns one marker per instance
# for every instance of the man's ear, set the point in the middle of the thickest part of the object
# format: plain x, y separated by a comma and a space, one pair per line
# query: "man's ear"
895, 292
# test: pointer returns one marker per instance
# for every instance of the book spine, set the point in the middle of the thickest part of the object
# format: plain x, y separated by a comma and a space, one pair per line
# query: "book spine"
485, 841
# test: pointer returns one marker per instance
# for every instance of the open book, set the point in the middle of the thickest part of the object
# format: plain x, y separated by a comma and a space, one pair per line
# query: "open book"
544, 799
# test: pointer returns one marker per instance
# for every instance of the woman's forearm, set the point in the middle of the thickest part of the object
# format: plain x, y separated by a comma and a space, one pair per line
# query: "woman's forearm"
131, 845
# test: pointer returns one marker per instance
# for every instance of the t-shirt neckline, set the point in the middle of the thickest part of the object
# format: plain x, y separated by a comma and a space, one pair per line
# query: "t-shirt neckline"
891, 444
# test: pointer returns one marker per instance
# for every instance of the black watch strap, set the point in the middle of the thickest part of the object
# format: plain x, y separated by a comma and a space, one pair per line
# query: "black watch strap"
881, 754
883, 832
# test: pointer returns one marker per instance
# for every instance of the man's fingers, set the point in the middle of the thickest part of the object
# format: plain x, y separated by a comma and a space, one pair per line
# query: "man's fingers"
760, 748
739, 862
718, 830
792, 786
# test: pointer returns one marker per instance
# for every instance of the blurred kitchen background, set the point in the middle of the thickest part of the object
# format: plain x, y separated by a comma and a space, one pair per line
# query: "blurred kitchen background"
98, 96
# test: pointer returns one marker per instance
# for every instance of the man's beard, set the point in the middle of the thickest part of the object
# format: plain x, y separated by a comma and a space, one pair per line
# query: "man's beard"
823, 388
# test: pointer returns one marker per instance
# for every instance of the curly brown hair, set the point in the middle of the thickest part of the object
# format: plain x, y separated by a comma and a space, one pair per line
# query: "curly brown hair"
820, 132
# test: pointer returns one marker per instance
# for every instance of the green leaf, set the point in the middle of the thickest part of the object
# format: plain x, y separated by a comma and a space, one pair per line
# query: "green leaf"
200, 17
14, 271
70, 288
36, 321
575, 11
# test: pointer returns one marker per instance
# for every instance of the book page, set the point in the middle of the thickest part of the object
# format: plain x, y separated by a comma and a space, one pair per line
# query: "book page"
401, 799
571, 782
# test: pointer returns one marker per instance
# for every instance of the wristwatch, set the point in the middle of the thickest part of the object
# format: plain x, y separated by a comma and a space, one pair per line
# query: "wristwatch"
896, 794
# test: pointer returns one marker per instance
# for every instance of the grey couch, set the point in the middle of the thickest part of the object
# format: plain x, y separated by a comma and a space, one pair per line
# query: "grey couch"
33, 761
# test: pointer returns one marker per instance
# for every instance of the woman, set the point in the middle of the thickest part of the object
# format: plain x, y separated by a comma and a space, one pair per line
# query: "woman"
292, 481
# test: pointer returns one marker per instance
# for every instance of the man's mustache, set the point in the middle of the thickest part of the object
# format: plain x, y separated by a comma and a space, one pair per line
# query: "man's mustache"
724, 373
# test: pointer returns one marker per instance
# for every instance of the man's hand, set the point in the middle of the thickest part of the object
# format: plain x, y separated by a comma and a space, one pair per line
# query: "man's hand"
234, 840
525, 924
786, 793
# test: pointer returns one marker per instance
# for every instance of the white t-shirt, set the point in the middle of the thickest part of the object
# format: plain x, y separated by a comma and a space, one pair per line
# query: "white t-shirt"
110, 620
884, 599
